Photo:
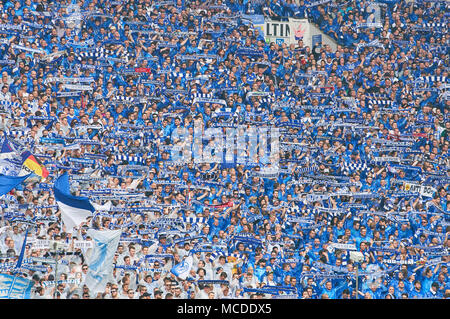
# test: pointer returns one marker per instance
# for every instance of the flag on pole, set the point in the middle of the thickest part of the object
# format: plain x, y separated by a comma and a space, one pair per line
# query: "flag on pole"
22, 250
7, 183
74, 209
100, 260
31, 164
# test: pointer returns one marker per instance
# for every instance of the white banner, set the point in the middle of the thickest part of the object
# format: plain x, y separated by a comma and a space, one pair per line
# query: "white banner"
40, 244
399, 262
77, 87
424, 190
83, 244
288, 32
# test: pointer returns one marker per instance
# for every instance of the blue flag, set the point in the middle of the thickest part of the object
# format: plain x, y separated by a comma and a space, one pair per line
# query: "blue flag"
7, 183
74, 209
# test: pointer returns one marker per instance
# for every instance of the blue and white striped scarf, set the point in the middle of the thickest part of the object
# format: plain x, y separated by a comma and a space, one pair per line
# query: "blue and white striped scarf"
354, 166
129, 158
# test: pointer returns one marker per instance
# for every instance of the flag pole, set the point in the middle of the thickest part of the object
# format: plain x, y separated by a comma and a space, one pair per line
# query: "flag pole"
18, 264
357, 277
55, 247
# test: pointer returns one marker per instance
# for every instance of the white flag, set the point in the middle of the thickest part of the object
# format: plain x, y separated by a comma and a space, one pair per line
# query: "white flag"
182, 269
100, 261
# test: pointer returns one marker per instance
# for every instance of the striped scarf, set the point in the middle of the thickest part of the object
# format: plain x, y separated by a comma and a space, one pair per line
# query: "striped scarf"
431, 78
96, 53
380, 102
18, 133
129, 158
195, 220
354, 166
202, 95
9, 104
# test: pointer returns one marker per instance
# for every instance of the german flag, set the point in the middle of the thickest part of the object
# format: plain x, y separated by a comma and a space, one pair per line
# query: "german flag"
32, 164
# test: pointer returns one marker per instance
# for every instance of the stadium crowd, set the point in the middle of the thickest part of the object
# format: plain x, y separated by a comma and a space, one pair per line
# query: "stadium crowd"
109, 91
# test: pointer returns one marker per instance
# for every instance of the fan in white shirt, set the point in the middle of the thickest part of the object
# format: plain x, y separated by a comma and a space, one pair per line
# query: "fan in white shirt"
5, 95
